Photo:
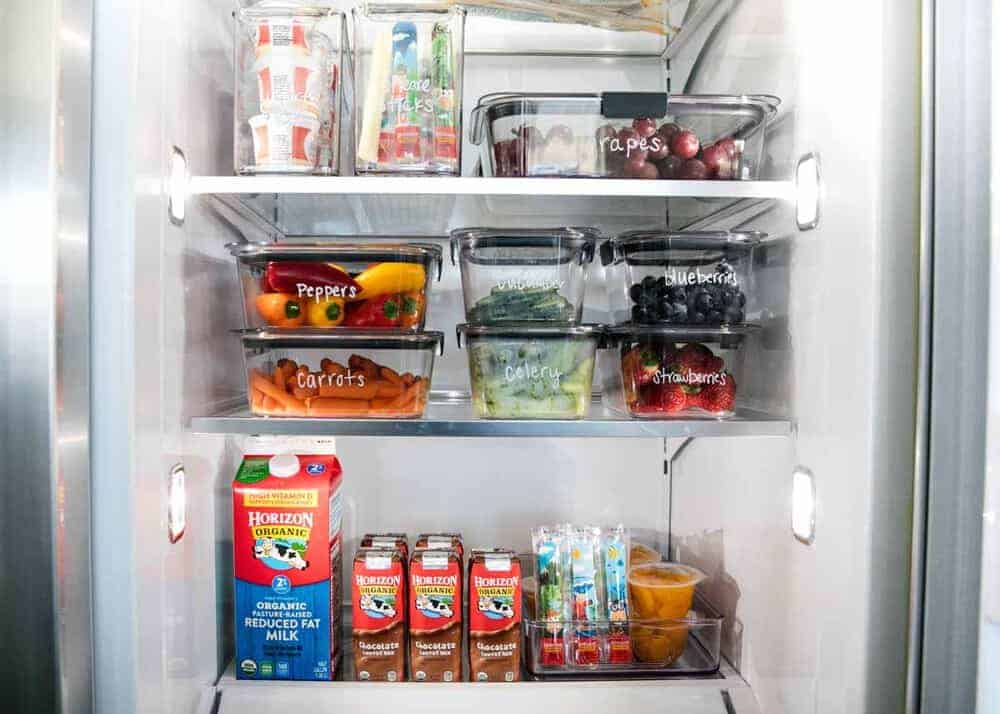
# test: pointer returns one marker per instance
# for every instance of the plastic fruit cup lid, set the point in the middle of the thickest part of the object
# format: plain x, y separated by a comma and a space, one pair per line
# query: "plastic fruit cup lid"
687, 576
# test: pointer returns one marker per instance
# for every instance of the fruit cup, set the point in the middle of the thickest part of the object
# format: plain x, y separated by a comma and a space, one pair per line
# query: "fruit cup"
660, 372
689, 278
642, 135
660, 596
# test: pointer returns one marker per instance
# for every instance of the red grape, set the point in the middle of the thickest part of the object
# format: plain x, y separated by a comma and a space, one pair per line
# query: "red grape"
644, 127
717, 161
729, 145
669, 131
670, 167
685, 145
693, 170
530, 136
640, 168
659, 149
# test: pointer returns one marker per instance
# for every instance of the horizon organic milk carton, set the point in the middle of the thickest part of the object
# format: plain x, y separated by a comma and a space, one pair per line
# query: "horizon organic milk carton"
287, 561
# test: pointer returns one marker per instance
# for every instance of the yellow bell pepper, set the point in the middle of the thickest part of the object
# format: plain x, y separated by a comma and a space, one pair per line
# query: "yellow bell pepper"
386, 278
328, 312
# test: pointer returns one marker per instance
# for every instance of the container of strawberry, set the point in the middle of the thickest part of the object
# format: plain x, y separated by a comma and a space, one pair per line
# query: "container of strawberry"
663, 372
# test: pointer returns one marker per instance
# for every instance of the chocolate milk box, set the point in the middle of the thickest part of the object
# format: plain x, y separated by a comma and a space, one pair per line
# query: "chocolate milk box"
494, 616
287, 560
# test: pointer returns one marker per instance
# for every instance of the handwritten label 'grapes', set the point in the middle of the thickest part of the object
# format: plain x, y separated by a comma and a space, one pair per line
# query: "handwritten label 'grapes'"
654, 144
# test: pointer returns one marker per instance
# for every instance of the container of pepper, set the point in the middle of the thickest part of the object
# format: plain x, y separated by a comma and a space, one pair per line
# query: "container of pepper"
324, 286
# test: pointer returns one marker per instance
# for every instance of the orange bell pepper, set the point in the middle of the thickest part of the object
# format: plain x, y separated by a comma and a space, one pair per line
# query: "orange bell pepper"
281, 309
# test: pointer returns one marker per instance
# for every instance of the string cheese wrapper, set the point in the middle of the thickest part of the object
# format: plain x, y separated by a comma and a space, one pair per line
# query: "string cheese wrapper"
378, 82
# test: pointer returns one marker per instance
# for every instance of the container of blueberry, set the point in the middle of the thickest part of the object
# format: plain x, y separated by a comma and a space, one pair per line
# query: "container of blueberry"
663, 371
684, 279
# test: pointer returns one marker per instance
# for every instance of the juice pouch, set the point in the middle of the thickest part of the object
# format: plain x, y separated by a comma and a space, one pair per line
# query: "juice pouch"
614, 555
549, 547
585, 595
435, 616
494, 616
378, 600
287, 555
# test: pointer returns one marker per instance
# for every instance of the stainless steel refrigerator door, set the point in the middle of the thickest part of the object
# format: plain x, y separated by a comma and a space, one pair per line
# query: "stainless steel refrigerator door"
45, 596
955, 436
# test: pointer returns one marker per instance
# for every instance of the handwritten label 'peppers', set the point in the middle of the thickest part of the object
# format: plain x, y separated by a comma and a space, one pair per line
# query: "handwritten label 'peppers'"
391, 278
320, 280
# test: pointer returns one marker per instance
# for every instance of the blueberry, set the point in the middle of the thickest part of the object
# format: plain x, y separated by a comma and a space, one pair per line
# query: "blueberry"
714, 317
635, 292
637, 312
680, 312
724, 267
649, 300
698, 318
678, 293
705, 302
741, 299
661, 283
728, 296
649, 283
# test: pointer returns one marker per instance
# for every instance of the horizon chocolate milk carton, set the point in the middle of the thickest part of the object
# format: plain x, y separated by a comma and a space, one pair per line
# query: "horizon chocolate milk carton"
287, 561
378, 599
494, 616
435, 616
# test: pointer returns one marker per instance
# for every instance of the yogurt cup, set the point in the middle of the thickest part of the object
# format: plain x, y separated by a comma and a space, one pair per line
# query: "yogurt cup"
279, 32
290, 82
285, 142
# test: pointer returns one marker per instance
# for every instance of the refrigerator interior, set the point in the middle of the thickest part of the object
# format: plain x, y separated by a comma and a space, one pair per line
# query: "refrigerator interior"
817, 627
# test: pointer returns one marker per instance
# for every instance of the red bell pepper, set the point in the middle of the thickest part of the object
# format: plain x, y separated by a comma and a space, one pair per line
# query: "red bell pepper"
320, 281
381, 311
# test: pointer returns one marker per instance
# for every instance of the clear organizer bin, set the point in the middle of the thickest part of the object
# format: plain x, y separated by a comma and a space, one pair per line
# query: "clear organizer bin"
694, 278
356, 374
287, 90
643, 135
408, 86
662, 372
529, 371
523, 275
337, 286
677, 634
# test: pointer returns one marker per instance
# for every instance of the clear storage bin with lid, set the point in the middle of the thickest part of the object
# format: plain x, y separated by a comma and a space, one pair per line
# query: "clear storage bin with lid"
408, 64
523, 275
288, 84
339, 285
523, 370
682, 278
350, 374
644, 135
662, 372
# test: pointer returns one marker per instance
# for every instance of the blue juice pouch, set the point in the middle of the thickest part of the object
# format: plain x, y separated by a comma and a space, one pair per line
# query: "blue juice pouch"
585, 595
614, 556
551, 574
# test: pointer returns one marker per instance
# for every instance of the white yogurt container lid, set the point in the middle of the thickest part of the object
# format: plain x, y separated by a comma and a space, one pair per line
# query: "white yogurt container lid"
289, 82
285, 142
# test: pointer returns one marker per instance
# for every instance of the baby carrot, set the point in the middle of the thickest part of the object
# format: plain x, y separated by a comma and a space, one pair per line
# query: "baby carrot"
390, 375
286, 400
349, 391
331, 407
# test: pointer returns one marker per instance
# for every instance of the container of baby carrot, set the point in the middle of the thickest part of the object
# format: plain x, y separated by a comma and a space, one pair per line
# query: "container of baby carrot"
342, 374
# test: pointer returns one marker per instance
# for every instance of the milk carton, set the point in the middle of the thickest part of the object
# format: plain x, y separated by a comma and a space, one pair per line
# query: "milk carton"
287, 560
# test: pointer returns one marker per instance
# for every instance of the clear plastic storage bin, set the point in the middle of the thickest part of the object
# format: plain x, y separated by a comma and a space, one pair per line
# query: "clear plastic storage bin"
642, 135
287, 89
408, 88
344, 285
523, 275
356, 374
703, 278
524, 370
659, 372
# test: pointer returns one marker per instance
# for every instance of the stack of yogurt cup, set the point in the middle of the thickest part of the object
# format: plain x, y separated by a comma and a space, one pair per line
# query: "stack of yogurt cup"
295, 61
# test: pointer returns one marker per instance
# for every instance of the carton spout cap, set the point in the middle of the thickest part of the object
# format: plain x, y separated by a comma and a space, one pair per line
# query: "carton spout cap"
284, 465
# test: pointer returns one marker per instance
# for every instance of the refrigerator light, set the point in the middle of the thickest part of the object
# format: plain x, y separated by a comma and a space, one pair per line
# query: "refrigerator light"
808, 187
803, 505
177, 187
176, 504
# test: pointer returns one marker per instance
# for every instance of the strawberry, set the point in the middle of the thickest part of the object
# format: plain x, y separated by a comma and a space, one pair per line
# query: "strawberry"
649, 365
719, 398
694, 357
669, 398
